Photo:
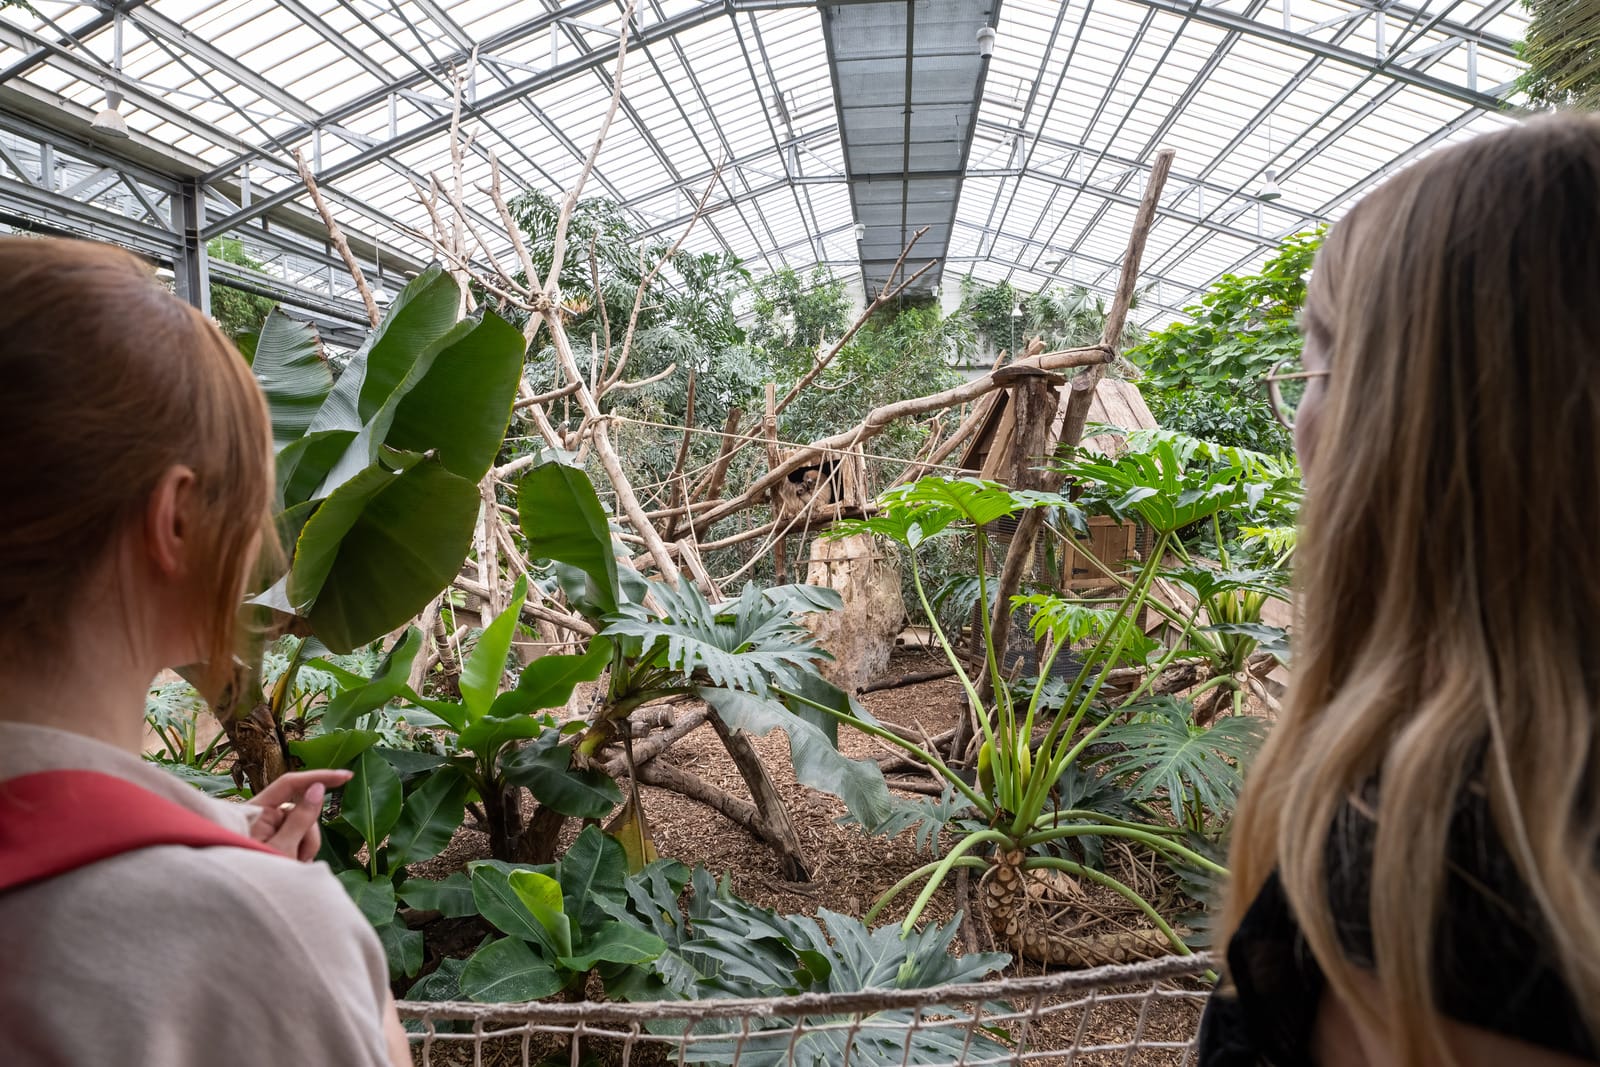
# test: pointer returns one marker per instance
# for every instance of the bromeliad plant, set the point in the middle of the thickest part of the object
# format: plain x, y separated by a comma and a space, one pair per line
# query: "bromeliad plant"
1031, 743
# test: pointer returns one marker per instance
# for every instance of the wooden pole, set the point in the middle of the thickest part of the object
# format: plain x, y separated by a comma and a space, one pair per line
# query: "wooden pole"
1080, 394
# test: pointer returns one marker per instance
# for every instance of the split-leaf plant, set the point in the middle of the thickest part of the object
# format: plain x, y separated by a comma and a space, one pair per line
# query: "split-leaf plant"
378, 471
742, 657
1232, 593
720, 946
1037, 739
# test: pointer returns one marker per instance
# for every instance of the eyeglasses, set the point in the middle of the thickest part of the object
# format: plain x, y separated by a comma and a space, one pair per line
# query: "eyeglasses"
1285, 389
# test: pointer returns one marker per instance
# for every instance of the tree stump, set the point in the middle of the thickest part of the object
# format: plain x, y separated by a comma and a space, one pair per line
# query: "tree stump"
861, 634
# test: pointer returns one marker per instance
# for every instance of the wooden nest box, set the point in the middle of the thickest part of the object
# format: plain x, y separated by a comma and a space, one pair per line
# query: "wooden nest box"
1001, 453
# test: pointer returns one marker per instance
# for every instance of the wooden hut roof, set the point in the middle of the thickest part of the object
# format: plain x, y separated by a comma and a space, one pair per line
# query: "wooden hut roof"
1116, 403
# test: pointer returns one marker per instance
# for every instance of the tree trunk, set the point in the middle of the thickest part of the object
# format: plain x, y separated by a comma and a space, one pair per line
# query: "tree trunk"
541, 836
260, 751
502, 809
780, 831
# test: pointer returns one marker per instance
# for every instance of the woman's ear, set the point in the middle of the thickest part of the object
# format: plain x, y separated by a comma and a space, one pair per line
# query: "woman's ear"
168, 529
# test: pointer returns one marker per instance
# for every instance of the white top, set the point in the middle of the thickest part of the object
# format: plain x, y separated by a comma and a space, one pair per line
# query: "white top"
178, 956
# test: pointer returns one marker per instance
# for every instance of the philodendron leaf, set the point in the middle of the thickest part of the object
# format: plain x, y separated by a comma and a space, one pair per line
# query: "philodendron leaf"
541, 895
506, 971
429, 817
372, 799
486, 667
387, 682
544, 769
817, 763
563, 521
288, 364
548, 681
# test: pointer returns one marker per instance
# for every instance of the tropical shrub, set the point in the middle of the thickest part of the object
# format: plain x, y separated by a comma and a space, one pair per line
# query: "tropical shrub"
1203, 376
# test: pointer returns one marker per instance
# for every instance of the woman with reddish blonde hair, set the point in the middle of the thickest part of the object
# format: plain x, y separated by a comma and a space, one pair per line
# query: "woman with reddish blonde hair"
1415, 869
140, 921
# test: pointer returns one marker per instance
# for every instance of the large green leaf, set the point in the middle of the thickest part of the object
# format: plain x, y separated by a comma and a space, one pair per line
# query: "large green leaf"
333, 748
484, 670
486, 735
595, 866
1161, 750
429, 817
450, 897
369, 443
402, 947
507, 971
288, 364
615, 942
374, 898
562, 519
544, 769
541, 895
817, 763
387, 683
405, 546
731, 948
317, 548
423, 312
303, 464
750, 644
548, 681
499, 904
462, 405
371, 802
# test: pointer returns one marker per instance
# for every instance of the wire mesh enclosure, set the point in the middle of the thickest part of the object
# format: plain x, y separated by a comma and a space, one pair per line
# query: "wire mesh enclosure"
1138, 1015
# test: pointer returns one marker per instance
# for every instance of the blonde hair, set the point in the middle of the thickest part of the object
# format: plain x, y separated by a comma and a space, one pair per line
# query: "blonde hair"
108, 381
1448, 583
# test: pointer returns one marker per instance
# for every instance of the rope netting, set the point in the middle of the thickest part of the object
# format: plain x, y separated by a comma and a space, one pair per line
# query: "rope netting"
1134, 1015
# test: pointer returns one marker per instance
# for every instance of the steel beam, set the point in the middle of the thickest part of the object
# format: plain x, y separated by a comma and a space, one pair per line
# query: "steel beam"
191, 265
1216, 16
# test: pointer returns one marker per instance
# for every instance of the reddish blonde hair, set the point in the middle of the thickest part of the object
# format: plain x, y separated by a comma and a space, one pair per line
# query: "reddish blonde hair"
109, 381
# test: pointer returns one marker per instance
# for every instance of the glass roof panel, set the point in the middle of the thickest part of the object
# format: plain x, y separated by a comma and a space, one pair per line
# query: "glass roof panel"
1325, 96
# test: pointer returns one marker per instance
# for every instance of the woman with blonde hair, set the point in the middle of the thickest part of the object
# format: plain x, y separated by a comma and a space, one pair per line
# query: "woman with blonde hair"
140, 921
1414, 860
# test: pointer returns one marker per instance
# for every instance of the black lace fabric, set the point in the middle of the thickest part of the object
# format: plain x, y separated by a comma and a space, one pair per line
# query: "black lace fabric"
1495, 967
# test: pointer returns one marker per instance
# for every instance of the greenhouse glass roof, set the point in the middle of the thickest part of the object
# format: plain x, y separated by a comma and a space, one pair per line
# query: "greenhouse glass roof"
803, 118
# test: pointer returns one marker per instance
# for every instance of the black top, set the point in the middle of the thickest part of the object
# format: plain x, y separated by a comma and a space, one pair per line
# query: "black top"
1494, 967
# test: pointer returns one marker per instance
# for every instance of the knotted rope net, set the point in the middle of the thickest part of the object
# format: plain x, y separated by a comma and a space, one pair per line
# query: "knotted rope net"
1134, 1015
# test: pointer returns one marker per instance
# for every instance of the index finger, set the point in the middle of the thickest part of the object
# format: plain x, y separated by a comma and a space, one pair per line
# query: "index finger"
292, 786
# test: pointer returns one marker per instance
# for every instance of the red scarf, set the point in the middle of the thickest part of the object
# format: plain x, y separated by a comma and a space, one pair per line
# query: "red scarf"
52, 822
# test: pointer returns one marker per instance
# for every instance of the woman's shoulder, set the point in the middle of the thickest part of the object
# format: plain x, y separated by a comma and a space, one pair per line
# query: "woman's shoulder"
162, 937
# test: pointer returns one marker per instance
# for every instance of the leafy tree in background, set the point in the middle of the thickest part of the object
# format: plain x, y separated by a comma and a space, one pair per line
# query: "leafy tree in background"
1203, 376
236, 311
1562, 51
